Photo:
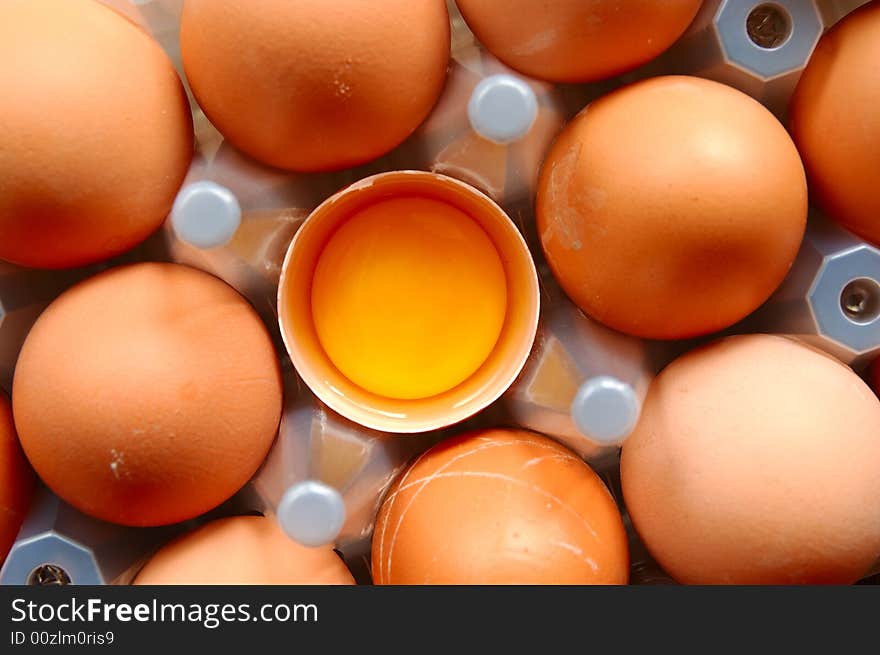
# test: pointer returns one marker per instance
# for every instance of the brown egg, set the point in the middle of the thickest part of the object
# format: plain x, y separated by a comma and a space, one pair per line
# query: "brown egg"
16, 480
672, 208
499, 507
835, 121
96, 133
311, 85
574, 40
148, 394
755, 462
242, 550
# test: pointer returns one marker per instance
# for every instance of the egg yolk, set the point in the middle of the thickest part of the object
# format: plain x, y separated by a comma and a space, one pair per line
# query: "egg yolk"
409, 297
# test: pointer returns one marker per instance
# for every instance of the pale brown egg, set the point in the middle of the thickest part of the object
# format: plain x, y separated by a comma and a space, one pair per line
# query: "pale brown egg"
755, 462
672, 208
16, 480
835, 121
96, 133
243, 550
148, 394
499, 507
310, 85
574, 40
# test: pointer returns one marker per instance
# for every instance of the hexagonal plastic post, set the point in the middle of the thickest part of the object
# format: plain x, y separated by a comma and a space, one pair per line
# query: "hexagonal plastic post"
831, 298
235, 218
325, 476
758, 47
59, 545
584, 384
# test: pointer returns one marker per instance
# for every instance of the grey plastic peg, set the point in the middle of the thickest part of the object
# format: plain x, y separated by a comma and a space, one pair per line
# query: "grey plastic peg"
311, 513
325, 477
584, 384
502, 108
205, 215
606, 409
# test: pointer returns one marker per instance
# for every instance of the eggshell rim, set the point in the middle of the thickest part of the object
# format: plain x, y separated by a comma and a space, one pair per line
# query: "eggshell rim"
500, 369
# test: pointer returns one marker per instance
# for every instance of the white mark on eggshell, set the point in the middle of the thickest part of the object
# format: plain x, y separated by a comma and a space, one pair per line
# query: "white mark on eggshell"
505, 478
343, 88
596, 198
116, 463
579, 552
563, 225
540, 42
556, 458
393, 497
439, 474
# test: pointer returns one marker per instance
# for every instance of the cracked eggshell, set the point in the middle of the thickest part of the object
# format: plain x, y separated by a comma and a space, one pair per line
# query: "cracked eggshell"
499, 507
577, 40
243, 550
148, 394
672, 208
16, 480
755, 462
96, 133
321, 85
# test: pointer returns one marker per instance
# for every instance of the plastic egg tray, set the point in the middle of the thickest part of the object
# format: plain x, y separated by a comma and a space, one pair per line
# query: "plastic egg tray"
583, 383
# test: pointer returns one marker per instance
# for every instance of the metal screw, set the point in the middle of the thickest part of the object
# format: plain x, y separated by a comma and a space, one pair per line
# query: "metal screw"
48, 575
768, 26
860, 300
